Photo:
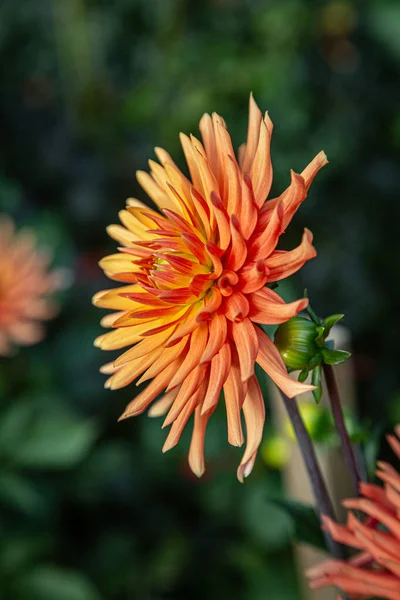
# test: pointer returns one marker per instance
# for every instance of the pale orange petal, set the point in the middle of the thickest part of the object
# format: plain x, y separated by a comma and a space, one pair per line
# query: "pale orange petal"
254, 414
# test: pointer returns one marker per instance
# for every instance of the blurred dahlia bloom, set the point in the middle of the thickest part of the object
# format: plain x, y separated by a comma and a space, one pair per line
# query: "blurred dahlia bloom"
25, 286
375, 571
195, 275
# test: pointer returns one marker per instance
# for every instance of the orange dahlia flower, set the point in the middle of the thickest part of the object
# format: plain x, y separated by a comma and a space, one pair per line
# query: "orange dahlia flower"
196, 275
375, 571
25, 286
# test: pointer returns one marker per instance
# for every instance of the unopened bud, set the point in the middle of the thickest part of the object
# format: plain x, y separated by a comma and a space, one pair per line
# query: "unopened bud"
295, 340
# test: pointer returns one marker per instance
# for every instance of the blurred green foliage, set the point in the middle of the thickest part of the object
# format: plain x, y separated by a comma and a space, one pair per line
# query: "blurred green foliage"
91, 509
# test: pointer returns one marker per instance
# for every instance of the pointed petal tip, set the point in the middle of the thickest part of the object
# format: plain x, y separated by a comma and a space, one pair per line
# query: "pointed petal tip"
168, 445
98, 341
301, 388
236, 440
98, 296
197, 469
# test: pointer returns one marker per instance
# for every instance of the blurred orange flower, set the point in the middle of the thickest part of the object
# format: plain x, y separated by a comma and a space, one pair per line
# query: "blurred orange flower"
197, 276
375, 571
25, 286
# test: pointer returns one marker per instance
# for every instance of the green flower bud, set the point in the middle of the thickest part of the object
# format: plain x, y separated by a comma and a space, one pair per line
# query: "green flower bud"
295, 340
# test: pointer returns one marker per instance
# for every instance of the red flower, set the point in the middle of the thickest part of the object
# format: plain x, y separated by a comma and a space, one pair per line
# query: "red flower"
375, 570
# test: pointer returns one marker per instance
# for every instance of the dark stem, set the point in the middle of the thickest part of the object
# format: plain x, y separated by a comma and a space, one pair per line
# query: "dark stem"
318, 485
337, 411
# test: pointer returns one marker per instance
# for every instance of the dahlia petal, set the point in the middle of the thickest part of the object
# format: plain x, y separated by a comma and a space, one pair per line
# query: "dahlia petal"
213, 253
144, 346
238, 250
212, 302
236, 307
116, 263
209, 184
114, 300
394, 497
119, 338
248, 208
381, 546
377, 494
121, 235
188, 324
179, 424
189, 386
355, 580
164, 157
246, 342
160, 407
198, 342
157, 385
109, 320
283, 264
203, 211
137, 221
219, 371
225, 154
206, 127
108, 368
376, 511
253, 276
222, 219
341, 533
262, 245
167, 355
261, 169
128, 372
268, 308
218, 330
271, 361
254, 415
195, 246
196, 451
154, 191
234, 188
312, 169
253, 135
135, 203
234, 392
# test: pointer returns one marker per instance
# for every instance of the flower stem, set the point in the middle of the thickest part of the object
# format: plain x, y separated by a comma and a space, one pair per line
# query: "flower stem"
323, 501
337, 411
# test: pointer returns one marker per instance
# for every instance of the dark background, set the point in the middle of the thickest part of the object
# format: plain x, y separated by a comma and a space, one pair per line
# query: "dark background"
91, 509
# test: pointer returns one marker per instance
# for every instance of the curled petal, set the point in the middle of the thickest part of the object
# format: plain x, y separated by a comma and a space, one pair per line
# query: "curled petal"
282, 264
268, 308
254, 415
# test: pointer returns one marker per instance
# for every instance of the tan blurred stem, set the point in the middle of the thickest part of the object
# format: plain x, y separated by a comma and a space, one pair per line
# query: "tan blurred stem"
337, 412
320, 491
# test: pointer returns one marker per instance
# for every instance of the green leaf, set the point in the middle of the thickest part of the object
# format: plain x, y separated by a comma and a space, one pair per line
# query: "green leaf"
56, 442
334, 357
306, 523
316, 380
50, 582
303, 375
330, 321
